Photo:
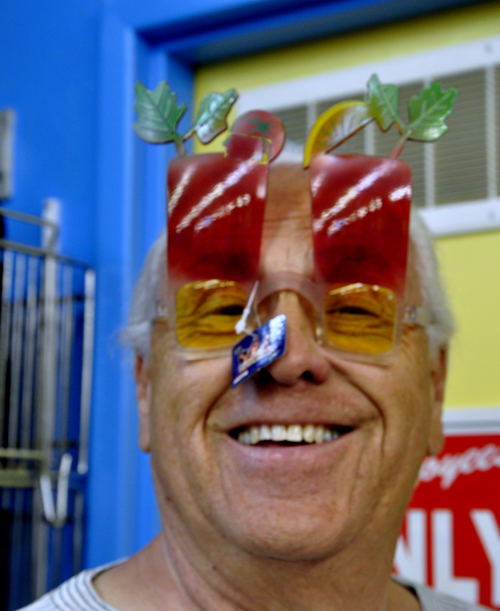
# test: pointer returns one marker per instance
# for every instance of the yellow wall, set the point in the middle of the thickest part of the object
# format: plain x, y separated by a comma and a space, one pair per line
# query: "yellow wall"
471, 267
471, 264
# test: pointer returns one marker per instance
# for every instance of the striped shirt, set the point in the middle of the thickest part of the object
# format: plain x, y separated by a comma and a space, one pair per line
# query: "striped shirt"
78, 594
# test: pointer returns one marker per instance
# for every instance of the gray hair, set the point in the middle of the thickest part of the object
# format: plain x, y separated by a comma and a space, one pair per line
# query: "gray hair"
434, 296
153, 276
147, 290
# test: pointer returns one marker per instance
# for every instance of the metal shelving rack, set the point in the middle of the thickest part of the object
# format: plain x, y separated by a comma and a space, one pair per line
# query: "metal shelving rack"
46, 347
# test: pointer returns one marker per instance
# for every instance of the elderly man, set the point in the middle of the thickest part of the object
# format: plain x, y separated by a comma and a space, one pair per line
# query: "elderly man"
285, 490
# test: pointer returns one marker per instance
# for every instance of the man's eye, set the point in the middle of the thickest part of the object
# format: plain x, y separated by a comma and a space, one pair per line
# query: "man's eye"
352, 310
231, 310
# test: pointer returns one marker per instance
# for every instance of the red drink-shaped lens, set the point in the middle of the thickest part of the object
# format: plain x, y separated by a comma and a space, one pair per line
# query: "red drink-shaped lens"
215, 215
361, 212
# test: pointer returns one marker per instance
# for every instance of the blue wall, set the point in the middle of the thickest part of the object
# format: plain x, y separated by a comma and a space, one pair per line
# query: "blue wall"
48, 70
68, 68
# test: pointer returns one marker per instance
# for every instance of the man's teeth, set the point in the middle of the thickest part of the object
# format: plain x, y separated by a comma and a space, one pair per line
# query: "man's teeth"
295, 433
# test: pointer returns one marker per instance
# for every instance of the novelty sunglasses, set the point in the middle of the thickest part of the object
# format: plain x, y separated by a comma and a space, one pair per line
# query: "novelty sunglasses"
360, 221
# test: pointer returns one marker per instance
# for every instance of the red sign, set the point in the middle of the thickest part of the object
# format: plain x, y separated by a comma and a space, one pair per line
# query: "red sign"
451, 534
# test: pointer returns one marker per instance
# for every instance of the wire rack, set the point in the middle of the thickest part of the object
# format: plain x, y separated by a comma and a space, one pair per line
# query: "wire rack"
46, 346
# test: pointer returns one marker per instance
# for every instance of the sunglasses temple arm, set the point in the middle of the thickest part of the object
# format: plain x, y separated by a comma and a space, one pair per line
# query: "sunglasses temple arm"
418, 315
240, 326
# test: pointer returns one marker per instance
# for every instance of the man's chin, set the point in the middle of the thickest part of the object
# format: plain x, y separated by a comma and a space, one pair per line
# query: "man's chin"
296, 540
294, 551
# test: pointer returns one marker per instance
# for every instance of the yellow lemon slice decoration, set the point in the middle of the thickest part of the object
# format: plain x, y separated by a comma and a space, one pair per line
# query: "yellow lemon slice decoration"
334, 126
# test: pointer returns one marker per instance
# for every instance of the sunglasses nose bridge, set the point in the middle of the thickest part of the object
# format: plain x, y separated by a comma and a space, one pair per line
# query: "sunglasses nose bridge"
291, 294
289, 281
300, 316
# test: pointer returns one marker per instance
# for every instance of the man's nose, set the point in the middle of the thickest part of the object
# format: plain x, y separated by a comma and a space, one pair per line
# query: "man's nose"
304, 359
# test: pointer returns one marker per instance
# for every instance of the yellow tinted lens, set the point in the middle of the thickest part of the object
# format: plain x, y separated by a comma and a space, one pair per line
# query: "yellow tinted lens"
361, 318
207, 312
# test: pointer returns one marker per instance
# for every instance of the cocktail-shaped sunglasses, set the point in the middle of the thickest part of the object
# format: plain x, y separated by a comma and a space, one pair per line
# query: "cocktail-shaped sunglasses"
360, 221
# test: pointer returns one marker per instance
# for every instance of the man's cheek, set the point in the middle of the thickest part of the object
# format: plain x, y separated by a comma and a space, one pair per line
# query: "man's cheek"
191, 388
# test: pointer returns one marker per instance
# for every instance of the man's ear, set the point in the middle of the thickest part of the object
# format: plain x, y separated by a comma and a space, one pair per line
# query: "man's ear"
142, 393
439, 368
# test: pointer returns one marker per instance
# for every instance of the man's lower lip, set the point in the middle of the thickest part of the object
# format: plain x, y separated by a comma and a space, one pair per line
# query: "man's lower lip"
286, 462
267, 457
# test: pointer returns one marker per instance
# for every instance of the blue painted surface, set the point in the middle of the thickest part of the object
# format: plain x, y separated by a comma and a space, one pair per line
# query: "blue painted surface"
68, 67
192, 13
193, 17
251, 28
112, 466
48, 69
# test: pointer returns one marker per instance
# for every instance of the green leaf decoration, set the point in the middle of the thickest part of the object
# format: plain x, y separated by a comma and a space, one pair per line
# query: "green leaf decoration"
212, 115
428, 112
383, 102
158, 114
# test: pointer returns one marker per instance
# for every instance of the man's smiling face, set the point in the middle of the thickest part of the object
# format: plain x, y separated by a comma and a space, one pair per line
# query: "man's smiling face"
285, 500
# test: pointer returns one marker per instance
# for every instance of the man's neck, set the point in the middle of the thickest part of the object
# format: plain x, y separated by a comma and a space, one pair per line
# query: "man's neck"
160, 578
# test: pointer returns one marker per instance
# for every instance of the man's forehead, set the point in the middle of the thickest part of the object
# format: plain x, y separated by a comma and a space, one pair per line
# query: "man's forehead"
288, 193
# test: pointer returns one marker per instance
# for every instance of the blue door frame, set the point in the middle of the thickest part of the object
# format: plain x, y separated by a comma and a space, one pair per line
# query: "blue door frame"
154, 41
